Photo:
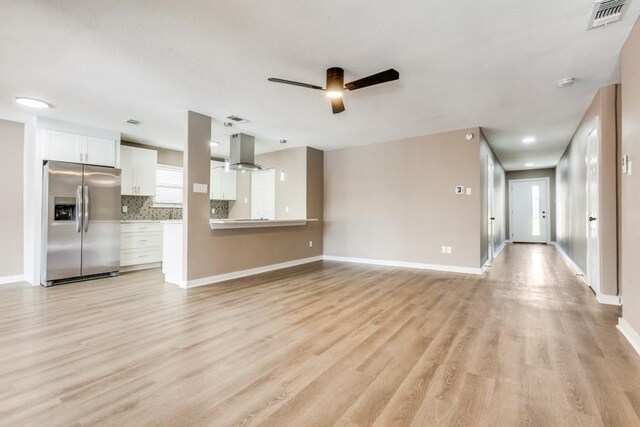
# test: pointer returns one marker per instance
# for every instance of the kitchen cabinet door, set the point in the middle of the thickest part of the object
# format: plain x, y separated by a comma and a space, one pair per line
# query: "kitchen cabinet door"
63, 147
216, 183
146, 162
229, 183
99, 151
127, 166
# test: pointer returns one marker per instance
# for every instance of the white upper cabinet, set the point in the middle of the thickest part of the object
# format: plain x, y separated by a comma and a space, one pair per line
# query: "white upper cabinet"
223, 183
138, 171
68, 147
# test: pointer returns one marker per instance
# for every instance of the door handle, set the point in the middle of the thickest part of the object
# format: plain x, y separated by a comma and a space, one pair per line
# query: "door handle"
79, 208
492, 218
592, 218
86, 208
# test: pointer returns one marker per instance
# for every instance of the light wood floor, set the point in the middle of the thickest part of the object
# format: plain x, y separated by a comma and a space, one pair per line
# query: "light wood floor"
320, 345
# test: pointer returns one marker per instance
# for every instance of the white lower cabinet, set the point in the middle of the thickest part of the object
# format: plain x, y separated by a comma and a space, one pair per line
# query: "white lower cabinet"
140, 243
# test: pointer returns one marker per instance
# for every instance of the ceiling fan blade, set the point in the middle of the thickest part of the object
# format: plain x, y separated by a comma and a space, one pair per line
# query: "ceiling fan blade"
376, 79
337, 105
290, 82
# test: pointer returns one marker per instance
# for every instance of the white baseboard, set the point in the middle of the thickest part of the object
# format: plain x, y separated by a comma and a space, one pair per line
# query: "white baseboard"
4, 280
500, 248
630, 334
244, 273
609, 299
572, 264
414, 265
601, 298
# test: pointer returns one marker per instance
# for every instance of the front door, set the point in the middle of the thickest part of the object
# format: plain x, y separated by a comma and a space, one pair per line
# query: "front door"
528, 211
593, 261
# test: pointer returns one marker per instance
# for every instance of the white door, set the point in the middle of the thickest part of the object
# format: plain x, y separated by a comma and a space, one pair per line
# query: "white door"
593, 251
100, 151
490, 212
263, 194
146, 162
528, 211
127, 166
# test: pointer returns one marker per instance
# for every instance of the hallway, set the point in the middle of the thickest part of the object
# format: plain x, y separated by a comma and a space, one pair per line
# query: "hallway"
321, 344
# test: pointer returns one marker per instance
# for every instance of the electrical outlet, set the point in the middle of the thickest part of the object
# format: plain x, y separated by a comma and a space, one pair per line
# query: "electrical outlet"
246, 200
468, 191
448, 249
310, 243
286, 209
213, 211
124, 209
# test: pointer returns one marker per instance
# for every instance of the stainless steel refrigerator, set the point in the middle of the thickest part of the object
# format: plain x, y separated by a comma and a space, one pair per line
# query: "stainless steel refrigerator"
81, 222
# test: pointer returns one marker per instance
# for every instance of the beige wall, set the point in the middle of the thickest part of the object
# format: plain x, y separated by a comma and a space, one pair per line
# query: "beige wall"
291, 193
630, 245
486, 155
210, 253
571, 203
536, 173
11, 214
396, 201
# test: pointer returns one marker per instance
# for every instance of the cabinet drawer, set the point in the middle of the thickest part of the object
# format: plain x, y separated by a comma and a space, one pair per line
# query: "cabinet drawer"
142, 227
139, 256
141, 240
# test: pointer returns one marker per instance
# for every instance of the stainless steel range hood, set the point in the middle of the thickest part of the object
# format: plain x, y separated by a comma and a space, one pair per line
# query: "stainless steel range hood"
242, 154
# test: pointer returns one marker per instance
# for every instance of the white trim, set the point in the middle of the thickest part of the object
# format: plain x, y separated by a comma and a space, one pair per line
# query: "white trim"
500, 248
630, 334
572, 264
4, 280
415, 265
244, 273
548, 186
609, 299
601, 298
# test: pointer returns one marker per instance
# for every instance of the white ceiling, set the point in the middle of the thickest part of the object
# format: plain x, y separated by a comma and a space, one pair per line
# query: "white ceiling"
462, 63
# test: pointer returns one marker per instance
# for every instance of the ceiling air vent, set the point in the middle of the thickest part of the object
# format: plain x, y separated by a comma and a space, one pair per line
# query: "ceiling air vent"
607, 11
237, 119
133, 122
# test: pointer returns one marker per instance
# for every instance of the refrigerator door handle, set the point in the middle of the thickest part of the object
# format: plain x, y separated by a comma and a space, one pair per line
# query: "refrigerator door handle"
79, 209
85, 220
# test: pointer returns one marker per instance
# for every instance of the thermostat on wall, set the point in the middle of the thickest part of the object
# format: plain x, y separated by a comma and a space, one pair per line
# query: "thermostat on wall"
459, 189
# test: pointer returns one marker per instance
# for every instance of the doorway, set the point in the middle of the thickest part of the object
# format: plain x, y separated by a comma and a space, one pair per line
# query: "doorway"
490, 212
529, 210
593, 241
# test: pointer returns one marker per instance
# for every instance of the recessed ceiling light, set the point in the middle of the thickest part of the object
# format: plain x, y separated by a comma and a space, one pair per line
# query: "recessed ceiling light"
32, 102
566, 82
528, 164
529, 139
214, 143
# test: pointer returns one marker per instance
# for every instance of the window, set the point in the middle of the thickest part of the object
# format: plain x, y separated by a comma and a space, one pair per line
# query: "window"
168, 186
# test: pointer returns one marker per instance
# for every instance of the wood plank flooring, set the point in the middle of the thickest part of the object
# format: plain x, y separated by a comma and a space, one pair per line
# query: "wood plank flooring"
321, 345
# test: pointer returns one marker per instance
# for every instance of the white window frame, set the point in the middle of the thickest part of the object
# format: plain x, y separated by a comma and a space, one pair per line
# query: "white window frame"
157, 204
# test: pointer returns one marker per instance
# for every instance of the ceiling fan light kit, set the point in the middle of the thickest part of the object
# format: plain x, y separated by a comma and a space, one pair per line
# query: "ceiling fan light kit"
335, 86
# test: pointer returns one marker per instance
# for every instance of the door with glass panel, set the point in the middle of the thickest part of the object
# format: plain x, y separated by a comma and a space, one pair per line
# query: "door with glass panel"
528, 211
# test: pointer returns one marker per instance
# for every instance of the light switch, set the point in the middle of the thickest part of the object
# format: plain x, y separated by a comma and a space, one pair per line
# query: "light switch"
448, 249
459, 189
468, 191
200, 188
444, 249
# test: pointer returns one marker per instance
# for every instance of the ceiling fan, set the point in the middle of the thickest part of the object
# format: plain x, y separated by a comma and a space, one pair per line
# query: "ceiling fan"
336, 85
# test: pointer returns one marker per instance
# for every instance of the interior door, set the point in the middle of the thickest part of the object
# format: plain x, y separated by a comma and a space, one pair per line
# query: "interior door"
101, 220
490, 212
528, 211
263, 194
593, 247
62, 203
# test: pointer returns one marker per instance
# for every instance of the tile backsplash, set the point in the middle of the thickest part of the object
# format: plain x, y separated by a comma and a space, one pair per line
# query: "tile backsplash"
141, 208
